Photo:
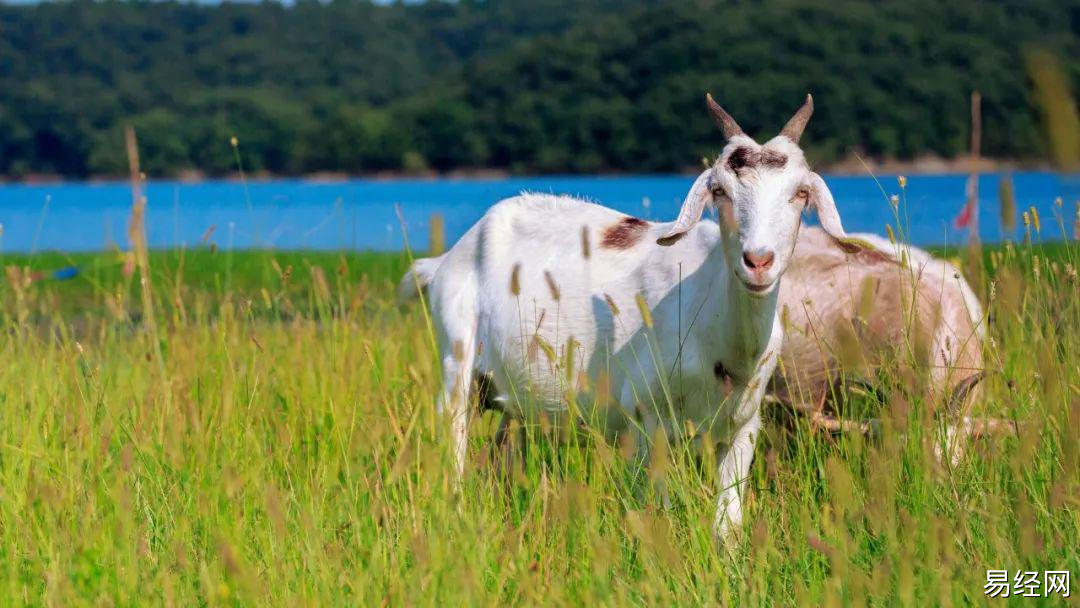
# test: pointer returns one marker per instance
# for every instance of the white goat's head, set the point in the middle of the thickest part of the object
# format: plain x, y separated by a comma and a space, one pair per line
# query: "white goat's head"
760, 192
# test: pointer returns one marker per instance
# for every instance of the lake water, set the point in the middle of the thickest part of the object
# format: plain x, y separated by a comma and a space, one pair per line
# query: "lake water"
360, 214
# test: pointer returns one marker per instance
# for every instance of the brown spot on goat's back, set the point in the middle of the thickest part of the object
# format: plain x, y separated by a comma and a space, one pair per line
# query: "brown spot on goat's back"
625, 234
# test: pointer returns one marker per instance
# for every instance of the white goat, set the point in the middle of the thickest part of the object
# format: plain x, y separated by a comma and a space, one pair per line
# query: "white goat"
540, 270
868, 303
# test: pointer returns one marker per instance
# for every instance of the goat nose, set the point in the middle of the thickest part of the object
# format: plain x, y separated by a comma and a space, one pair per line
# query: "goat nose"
758, 260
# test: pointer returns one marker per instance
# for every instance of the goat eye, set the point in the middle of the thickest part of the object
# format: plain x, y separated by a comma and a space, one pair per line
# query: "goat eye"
801, 195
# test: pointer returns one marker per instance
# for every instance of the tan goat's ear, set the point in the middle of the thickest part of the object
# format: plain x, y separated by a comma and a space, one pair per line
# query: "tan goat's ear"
700, 195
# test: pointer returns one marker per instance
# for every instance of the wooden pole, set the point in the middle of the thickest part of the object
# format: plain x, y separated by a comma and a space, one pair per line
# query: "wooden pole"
973, 183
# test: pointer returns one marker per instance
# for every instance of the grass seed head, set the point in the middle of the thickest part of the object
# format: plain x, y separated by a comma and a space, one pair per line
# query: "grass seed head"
643, 308
611, 305
568, 359
549, 350
602, 388
515, 280
436, 234
868, 289
553, 287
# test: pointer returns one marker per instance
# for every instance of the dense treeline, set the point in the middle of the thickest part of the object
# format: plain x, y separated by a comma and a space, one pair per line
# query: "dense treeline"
522, 85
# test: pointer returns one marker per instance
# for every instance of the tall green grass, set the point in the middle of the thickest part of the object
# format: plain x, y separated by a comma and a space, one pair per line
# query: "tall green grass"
284, 450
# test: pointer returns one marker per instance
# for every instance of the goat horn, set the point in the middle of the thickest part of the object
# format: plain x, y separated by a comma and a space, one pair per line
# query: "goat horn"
727, 124
825, 422
794, 127
960, 392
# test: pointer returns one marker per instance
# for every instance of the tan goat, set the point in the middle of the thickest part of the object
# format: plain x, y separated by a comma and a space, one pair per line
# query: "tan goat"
881, 308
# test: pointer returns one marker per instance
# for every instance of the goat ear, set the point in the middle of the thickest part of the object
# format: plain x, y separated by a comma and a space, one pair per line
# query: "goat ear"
822, 201
692, 208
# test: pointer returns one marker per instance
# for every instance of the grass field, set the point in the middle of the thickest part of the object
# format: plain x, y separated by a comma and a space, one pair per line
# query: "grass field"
266, 436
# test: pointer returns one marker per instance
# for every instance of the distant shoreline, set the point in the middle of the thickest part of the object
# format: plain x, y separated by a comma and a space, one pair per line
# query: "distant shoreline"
852, 166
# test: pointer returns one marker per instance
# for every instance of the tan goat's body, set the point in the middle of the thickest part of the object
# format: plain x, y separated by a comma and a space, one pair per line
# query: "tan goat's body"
854, 313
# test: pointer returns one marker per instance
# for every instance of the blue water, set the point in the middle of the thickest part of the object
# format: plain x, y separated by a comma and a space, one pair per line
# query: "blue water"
360, 214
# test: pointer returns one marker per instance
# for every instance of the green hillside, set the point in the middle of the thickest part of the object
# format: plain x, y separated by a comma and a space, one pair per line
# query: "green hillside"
524, 86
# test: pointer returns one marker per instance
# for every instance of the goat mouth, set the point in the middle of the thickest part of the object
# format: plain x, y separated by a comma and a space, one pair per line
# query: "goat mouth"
758, 289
